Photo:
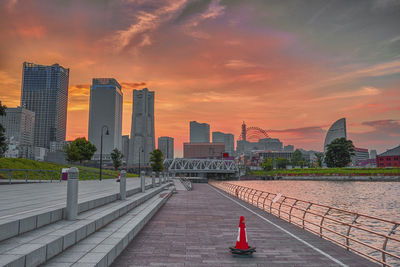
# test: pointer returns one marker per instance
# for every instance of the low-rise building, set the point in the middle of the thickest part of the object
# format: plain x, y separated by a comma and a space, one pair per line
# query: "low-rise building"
390, 158
203, 150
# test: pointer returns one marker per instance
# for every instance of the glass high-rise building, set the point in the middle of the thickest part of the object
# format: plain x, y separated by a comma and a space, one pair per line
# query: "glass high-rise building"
199, 132
105, 109
45, 92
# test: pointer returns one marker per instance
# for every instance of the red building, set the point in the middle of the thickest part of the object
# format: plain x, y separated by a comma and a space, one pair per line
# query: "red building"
390, 158
203, 150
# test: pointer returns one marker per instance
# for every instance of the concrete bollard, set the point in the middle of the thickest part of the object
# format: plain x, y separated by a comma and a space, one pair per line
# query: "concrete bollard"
72, 194
122, 185
153, 179
165, 177
159, 179
142, 181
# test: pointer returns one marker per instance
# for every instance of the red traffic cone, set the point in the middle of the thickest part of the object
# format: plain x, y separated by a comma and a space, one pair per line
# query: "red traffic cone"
242, 247
119, 178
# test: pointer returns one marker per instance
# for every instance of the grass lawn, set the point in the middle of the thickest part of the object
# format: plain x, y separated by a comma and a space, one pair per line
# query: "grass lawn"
330, 171
85, 173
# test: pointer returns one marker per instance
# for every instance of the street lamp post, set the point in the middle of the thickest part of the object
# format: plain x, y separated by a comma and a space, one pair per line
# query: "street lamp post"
140, 150
101, 147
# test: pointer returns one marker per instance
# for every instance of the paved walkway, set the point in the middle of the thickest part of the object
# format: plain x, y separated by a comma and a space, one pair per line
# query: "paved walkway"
178, 185
195, 228
23, 198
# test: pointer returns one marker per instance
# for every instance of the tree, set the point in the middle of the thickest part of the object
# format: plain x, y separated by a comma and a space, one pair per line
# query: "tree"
79, 150
281, 163
116, 157
156, 159
3, 143
339, 153
320, 157
268, 164
297, 158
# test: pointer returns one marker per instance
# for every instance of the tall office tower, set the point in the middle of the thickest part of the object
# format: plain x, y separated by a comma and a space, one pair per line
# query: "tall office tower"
227, 139
45, 92
142, 132
105, 112
125, 148
199, 132
166, 145
20, 124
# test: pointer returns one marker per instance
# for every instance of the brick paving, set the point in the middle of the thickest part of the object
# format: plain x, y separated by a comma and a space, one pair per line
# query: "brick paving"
195, 228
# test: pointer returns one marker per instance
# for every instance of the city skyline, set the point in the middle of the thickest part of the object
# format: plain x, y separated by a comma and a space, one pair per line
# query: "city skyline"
290, 72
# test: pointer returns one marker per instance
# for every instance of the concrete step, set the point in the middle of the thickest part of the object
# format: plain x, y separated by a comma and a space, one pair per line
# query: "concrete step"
40, 245
104, 246
14, 225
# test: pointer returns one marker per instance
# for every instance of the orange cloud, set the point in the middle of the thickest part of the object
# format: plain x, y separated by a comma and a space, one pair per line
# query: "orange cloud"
31, 31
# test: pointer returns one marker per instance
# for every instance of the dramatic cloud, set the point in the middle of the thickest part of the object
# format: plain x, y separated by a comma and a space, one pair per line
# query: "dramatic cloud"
390, 127
291, 65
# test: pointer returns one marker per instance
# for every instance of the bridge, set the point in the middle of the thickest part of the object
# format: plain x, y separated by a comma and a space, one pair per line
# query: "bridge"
201, 166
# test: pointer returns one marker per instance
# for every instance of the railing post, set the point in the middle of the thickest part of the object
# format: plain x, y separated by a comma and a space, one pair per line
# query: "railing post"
305, 212
264, 201
51, 176
142, 181
290, 212
26, 176
258, 199
72, 194
122, 185
153, 179
40, 176
280, 205
84, 175
392, 231
9, 176
348, 230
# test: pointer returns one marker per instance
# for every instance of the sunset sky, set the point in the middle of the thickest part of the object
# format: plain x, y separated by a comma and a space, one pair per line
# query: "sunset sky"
290, 67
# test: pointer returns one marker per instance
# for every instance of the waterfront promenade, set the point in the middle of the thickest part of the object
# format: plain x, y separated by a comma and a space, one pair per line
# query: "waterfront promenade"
195, 228
23, 199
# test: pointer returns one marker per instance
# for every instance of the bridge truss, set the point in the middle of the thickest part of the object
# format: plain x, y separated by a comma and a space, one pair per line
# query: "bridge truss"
183, 165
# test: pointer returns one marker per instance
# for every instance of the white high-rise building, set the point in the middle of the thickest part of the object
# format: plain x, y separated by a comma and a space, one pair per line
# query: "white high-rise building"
227, 139
142, 140
166, 145
105, 112
199, 132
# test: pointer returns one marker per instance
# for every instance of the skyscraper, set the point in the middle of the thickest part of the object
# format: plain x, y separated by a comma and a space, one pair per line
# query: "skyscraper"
105, 110
125, 148
142, 130
45, 92
199, 132
227, 139
166, 145
337, 130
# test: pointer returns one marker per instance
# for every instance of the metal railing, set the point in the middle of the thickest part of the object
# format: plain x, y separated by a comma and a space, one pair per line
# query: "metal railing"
371, 237
29, 175
186, 183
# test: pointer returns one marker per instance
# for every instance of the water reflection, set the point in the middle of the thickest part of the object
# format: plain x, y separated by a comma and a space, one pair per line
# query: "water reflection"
377, 199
